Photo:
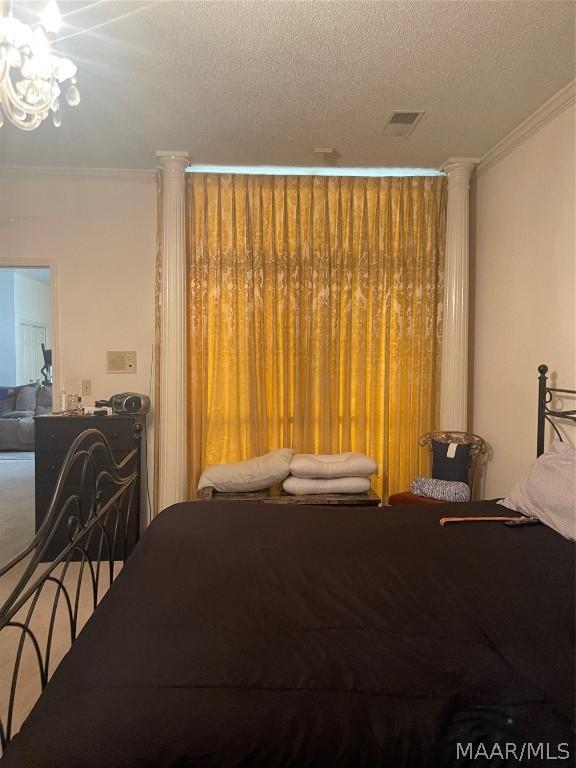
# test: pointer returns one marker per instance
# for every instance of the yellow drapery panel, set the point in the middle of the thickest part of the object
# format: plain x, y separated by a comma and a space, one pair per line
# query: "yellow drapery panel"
314, 317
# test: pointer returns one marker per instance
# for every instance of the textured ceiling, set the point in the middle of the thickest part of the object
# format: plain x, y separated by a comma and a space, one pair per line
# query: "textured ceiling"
262, 83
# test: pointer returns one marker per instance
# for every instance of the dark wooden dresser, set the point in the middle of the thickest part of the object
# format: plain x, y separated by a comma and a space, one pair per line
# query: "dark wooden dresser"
53, 436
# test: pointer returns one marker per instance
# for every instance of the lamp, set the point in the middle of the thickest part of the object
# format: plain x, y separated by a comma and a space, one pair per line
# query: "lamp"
31, 75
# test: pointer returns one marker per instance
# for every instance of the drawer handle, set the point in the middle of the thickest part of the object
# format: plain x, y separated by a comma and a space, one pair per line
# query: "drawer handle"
115, 435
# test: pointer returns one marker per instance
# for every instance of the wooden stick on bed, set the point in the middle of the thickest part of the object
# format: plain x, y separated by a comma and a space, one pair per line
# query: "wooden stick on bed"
444, 520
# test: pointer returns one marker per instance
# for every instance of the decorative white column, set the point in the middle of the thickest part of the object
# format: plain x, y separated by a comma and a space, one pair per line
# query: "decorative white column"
454, 375
172, 422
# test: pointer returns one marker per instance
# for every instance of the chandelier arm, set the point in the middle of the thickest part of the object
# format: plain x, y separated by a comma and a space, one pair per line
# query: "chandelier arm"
25, 124
9, 107
31, 126
32, 109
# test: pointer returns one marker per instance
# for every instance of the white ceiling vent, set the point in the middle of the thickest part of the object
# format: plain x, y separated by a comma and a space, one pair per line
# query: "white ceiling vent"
402, 122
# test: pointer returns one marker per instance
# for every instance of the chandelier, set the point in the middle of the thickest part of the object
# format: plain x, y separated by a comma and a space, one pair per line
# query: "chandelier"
32, 78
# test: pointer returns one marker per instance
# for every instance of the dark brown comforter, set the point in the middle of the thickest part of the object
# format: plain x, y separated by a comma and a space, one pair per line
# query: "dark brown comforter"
260, 635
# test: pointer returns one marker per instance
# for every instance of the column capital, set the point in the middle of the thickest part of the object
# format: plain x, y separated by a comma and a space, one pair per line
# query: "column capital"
460, 169
173, 161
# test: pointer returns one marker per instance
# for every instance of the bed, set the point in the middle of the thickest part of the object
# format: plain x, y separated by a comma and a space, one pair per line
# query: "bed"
271, 635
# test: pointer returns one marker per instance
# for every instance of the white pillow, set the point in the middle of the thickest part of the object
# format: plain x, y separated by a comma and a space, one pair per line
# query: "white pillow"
548, 490
251, 475
332, 465
301, 486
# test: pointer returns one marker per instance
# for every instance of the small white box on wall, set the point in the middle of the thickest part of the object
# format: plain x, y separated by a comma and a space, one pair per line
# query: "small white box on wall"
121, 362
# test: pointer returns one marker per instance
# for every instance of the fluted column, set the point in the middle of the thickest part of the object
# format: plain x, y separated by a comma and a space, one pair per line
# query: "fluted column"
454, 375
172, 422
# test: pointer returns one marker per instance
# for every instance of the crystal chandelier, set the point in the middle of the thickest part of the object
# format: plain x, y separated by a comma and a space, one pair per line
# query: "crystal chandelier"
31, 76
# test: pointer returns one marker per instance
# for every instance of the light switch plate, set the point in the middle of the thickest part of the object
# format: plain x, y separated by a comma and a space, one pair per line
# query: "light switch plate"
121, 362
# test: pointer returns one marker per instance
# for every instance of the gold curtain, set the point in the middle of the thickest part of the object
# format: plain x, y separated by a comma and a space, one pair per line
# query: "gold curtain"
314, 317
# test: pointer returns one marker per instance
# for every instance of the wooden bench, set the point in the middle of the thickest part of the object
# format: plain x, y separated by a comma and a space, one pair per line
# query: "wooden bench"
276, 495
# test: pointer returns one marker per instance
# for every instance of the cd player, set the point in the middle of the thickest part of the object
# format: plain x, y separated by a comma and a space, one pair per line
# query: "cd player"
130, 402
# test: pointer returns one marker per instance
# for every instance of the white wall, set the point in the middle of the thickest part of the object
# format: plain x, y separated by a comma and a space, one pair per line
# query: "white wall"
523, 293
101, 236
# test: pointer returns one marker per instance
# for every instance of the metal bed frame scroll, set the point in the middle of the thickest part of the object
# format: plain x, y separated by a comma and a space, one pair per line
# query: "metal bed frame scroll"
95, 500
546, 414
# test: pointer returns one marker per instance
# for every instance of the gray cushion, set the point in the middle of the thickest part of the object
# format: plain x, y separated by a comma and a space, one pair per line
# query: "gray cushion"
44, 399
26, 433
18, 414
7, 404
10, 434
26, 397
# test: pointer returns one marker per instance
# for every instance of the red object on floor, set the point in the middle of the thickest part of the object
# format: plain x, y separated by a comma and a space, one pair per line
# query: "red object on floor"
409, 498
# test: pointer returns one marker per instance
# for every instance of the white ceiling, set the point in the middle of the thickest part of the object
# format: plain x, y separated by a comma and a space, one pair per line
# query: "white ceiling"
262, 83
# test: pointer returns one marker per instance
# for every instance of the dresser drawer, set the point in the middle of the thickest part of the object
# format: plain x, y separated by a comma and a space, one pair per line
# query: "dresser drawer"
49, 464
59, 436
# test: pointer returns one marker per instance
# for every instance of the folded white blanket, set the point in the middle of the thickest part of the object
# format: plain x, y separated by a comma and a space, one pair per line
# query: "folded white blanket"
332, 465
303, 486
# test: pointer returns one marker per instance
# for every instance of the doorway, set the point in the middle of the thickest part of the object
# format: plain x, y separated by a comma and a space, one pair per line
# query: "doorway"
26, 332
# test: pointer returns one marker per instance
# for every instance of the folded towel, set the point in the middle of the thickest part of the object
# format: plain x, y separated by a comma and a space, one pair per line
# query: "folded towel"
332, 465
444, 490
304, 486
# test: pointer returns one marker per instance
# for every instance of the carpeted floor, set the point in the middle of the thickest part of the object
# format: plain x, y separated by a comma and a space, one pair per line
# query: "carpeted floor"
16, 502
16, 531
29, 687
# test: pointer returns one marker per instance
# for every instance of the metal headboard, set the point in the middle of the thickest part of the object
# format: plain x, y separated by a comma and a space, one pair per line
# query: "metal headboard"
97, 515
546, 414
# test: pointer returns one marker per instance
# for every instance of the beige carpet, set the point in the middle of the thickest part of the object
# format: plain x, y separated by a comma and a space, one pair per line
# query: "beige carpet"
29, 687
16, 503
16, 532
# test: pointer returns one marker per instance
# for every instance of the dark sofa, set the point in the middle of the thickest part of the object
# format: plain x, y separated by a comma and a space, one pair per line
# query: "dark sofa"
18, 407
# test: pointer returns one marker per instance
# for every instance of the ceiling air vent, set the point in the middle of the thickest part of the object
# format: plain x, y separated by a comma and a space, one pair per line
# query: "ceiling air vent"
402, 123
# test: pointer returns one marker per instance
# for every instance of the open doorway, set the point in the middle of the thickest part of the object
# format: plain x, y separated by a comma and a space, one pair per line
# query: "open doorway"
25, 391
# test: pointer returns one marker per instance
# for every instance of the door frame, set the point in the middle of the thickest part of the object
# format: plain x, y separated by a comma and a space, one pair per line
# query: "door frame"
40, 263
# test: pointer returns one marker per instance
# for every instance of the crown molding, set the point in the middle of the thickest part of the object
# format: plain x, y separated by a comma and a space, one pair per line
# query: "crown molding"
145, 176
453, 163
528, 127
